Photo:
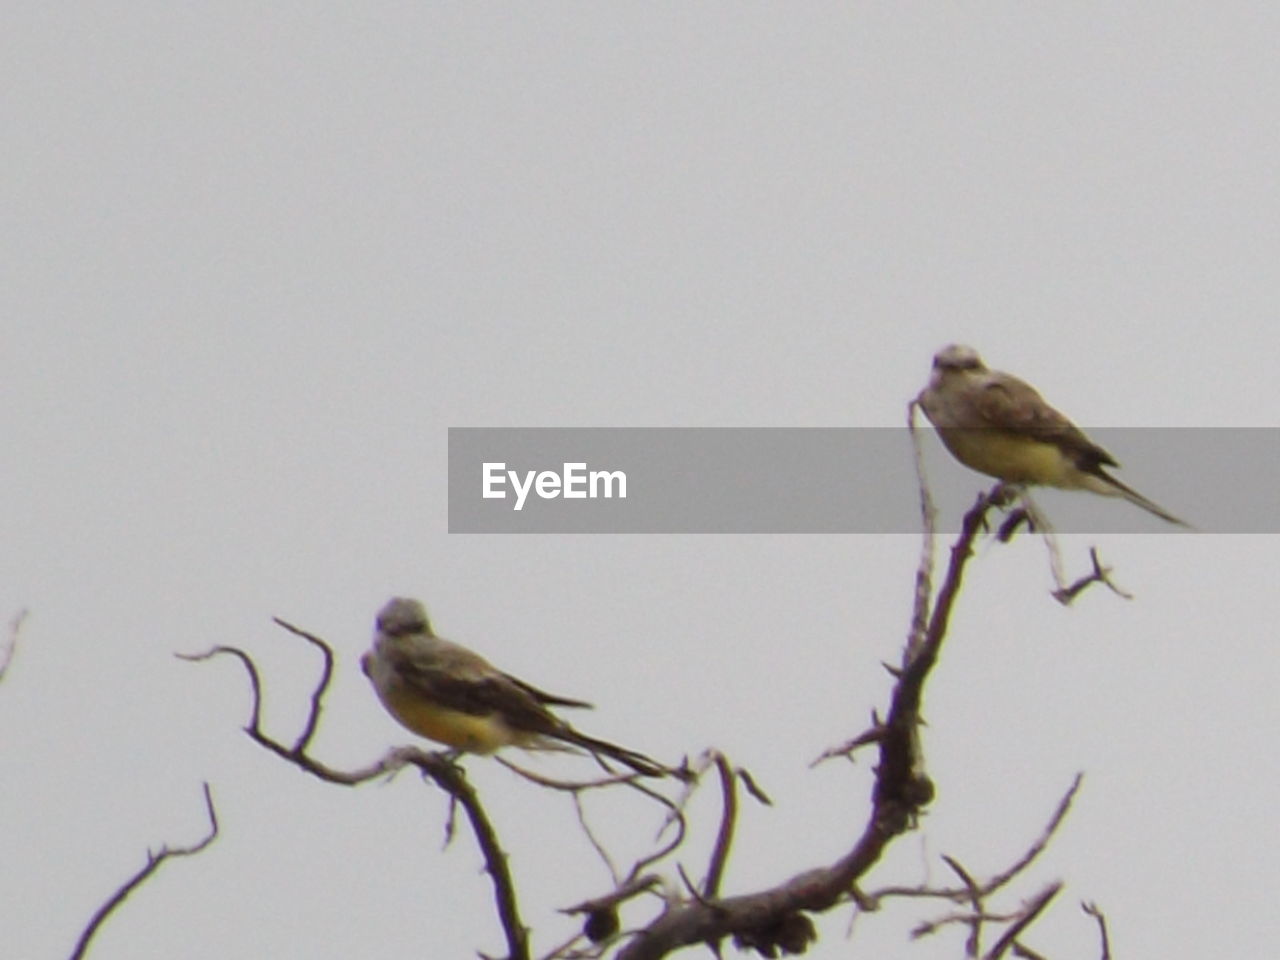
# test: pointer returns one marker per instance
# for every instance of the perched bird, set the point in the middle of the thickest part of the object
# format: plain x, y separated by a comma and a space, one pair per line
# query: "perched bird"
1000, 426
449, 694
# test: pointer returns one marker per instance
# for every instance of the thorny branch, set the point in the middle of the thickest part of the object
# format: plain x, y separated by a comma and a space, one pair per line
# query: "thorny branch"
154, 860
774, 919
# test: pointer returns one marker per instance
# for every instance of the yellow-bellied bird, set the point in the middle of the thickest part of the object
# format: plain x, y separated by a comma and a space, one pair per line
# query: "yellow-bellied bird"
1000, 426
447, 693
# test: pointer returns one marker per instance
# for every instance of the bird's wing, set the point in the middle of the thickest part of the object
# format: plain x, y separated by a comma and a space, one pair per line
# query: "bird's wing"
454, 677
1006, 403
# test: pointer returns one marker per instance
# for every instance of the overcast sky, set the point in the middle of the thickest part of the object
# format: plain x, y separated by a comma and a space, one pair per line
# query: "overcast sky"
256, 261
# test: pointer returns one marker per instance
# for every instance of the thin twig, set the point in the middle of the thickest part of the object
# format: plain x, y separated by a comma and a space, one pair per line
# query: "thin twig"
675, 815
594, 840
972, 945
873, 734
1099, 574
1059, 815
929, 519
624, 892
724, 836
322, 685
961, 894
1092, 910
929, 927
1034, 909
1039, 521
1026, 953
568, 786
1009, 527
154, 860
753, 788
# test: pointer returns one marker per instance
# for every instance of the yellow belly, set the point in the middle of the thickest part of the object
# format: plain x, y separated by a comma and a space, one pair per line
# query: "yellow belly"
476, 734
1010, 457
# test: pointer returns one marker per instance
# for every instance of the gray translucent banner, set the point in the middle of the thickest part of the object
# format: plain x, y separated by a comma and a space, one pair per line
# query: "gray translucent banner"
828, 480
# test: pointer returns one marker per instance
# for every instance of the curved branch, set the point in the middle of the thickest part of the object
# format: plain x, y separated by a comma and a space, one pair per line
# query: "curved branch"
317, 695
438, 767
724, 836
154, 860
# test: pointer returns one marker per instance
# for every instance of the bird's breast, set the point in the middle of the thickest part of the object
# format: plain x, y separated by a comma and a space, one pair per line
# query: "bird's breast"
1011, 457
475, 733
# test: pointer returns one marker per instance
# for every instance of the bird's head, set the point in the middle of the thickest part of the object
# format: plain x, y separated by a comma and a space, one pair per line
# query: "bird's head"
957, 356
402, 616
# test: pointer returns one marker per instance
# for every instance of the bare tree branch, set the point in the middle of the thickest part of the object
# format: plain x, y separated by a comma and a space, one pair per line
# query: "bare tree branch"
438, 767
1092, 910
753, 788
568, 786
1099, 574
724, 836
1013, 522
154, 860
972, 945
594, 840
1037, 848
928, 524
1033, 910
317, 695
962, 894
1026, 953
930, 927
602, 912
772, 919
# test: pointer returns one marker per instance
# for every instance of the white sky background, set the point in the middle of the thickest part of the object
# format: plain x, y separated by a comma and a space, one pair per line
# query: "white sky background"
256, 262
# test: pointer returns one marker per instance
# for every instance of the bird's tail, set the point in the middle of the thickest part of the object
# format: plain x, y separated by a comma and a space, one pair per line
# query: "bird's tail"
636, 761
1133, 496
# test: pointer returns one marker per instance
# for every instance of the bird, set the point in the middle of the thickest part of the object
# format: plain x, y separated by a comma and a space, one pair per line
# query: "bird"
999, 425
444, 692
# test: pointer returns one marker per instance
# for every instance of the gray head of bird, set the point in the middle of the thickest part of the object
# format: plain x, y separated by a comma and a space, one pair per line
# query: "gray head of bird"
402, 616
957, 356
